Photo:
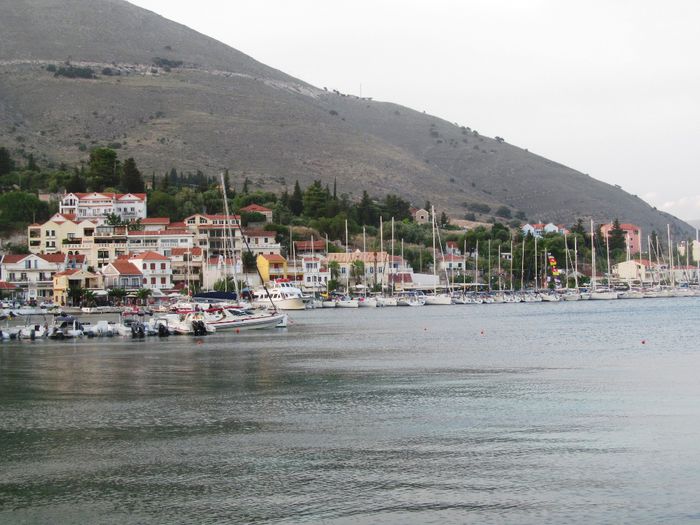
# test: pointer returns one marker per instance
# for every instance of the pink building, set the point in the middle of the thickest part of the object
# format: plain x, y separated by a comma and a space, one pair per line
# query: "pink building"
633, 235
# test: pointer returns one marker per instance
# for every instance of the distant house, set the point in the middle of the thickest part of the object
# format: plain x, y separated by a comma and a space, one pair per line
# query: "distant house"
420, 215
539, 229
32, 274
271, 266
122, 274
633, 235
316, 247
256, 208
66, 280
128, 206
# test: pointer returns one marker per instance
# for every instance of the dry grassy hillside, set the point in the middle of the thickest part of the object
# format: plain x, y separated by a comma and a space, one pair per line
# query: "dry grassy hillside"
171, 97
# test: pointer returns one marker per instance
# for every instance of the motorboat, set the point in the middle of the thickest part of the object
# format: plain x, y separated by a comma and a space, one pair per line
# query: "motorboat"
242, 319
65, 327
410, 299
281, 295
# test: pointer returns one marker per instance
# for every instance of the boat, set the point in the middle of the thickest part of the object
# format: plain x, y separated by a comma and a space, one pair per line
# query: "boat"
410, 299
192, 323
282, 295
65, 327
243, 319
347, 302
365, 302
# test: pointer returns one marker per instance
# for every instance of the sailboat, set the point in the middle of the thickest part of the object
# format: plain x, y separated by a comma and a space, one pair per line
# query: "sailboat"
595, 292
435, 297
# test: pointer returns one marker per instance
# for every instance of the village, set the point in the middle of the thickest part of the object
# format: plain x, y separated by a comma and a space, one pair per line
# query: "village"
78, 256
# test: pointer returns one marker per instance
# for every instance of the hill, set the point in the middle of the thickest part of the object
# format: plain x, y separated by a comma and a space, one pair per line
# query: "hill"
75, 74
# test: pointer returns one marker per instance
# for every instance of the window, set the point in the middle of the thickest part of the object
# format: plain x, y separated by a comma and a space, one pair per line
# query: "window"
144, 266
145, 281
162, 280
153, 266
162, 266
153, 280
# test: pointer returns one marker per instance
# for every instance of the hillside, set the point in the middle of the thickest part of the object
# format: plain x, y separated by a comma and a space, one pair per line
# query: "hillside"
171, 97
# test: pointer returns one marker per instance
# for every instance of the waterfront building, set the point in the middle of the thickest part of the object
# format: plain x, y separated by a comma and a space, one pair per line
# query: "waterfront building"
122, 273
633, 235
216, 234
60, 233
272, 266
187, 265
32, 274
420, 215
316, 273
310, 248
261, 242
75, 278
127, 206
155, 269
377, 265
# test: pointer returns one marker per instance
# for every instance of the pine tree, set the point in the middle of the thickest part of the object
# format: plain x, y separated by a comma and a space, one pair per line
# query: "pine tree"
131, 179
6, 164
296, 200
616, 237
76, 183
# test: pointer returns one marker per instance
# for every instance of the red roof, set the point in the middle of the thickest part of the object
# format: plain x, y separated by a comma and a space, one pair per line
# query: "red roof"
137, 233
140, 196
155, 220
273, 257
255, 207
66, 272
125, 267
12, 258
149, 256
182, 251
259, 233
306, 246
52, 257
177, 225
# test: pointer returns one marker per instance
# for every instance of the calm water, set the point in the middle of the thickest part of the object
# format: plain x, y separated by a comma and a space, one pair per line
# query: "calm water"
525, 413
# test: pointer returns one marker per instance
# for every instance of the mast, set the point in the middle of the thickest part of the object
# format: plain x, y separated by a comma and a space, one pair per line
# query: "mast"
499, 266
576, 261
391, 266
593, 272
607, 250
566, 259
347, 272
522, 266
364, 251
432, 212
670, 257
511, 262
381, 250
488, 258
537, 274
476, 266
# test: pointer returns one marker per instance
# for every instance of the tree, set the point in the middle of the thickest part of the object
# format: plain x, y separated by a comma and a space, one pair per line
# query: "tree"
314, 200
6, 163
89, 298
357, 271
116, 294
131, 179
75, 294
18, 208
444, 220
112, 219
31, 163
504, 212
103, 169
617, 238
334, 269
366, 211
249, 261
227, 182
246, 186
143, 294
296, 200
76, 183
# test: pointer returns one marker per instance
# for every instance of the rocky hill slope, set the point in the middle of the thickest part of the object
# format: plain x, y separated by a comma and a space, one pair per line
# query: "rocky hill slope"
172, 97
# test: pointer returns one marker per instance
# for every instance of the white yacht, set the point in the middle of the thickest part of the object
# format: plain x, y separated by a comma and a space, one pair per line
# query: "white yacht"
283, 295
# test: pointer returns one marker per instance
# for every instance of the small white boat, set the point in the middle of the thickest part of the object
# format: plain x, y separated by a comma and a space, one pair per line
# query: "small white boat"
437, 299
241, 319
347, 302
328, 304
386, 301
410, 299
367, 302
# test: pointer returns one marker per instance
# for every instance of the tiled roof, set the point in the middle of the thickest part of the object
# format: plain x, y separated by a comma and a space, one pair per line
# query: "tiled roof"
149, 256
274, 258
255, 207
53, 257
182, 251
125, 267
259, 233
12, 258
155, 220
305, 246
118, 196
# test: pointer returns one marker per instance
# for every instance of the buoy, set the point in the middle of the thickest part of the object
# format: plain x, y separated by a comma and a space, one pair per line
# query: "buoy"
644, 342
482, 332
238, 330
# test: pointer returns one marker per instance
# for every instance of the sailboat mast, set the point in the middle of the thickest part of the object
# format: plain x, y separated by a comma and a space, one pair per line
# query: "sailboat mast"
476, 265
576, 261
432, 213
593, 272
347, 272
488, 258
391, 265
537, 274
522, 266
607, 253
566, 259
670, 257
511, 262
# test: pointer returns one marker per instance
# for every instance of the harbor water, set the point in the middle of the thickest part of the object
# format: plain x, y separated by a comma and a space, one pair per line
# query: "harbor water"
508, 413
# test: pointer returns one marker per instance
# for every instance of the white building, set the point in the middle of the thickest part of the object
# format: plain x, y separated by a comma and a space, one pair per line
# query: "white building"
155, 269
33, 274
128, 206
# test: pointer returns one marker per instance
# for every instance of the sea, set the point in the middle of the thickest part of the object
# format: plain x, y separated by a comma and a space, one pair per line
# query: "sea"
576, 412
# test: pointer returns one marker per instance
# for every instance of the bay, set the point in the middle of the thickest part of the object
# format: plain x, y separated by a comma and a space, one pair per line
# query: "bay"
525, 413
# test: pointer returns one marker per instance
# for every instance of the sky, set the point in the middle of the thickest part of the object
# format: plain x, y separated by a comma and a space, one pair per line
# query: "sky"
608, 87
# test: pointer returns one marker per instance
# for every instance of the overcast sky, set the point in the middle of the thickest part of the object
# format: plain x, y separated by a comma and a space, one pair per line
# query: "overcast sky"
606, 87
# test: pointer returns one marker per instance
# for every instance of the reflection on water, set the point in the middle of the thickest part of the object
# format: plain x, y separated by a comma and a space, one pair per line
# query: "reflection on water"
502, 413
